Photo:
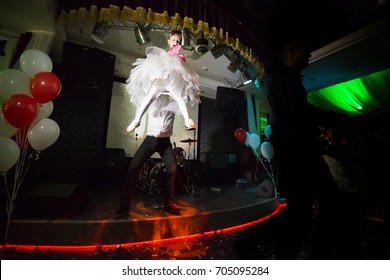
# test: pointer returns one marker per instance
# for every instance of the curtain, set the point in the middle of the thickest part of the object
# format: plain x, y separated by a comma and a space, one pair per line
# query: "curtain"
362, 95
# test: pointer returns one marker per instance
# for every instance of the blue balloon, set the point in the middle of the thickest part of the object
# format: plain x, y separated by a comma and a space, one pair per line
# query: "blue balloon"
267, 131
254, 140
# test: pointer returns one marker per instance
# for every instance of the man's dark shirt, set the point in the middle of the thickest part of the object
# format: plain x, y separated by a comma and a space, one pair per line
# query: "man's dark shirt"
291, 116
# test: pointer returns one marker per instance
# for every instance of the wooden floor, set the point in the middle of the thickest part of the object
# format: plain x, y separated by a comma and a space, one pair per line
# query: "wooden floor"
209, 208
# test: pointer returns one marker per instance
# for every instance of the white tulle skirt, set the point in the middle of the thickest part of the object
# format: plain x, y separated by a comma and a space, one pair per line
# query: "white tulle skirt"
170, 77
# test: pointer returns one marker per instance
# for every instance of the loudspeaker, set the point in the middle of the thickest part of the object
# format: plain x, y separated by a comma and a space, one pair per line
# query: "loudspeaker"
88, 67
52, 200
230, 101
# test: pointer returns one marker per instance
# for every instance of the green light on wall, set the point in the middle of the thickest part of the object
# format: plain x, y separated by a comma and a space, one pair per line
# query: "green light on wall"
358, 96
263, 123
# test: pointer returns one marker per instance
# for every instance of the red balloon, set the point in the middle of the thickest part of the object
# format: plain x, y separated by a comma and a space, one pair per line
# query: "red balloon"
240, 135
20, 110
45, 86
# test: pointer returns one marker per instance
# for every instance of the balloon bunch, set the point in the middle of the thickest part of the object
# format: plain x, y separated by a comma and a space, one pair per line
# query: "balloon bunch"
249, 139
253, 140
26, 103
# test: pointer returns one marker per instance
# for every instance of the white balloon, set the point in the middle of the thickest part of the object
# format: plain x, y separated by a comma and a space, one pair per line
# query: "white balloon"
45, 111
33, 61
9, 153
13, 81
6, 129
267, 150
43, 134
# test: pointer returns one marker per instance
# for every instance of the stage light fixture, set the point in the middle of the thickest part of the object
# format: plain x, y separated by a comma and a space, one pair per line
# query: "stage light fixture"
235, 59
248, 71
218, 50
100, 32
186, 39
142, 34
202, 45
233, 67
245, 78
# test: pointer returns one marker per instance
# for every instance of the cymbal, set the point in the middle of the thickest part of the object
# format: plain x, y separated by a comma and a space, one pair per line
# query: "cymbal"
188, 140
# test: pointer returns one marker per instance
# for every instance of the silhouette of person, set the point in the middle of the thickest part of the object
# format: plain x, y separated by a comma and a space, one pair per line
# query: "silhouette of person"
161, 84
347, 155
303, 176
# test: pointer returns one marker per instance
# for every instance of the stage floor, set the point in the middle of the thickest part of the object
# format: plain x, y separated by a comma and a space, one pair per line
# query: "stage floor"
208, 209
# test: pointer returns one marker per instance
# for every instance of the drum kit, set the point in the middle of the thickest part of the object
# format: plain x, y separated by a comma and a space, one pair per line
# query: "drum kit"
152, 176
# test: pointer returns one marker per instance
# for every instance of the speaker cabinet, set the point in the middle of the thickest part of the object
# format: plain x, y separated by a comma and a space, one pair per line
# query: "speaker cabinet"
88, 67
230, 101
52, 200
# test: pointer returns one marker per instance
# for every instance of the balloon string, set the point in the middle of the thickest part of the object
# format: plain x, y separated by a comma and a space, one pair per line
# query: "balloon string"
20, 172
266, 169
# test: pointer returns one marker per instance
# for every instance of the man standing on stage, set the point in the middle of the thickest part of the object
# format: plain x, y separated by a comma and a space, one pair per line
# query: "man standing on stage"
161, 84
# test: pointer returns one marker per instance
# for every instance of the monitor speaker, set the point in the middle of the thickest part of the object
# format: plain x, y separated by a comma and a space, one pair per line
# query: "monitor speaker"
52, 200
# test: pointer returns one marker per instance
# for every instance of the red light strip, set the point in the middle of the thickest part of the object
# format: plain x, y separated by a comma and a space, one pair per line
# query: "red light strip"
99, 247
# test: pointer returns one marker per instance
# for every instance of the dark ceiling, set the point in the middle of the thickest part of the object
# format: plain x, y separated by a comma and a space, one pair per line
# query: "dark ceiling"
319, 22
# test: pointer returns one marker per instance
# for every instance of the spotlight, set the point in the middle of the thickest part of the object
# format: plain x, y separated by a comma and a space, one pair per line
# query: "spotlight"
100, 32
218, 50
248, 71
233, 67
142, 34
234, 57
245, 78
202, 45
186, 40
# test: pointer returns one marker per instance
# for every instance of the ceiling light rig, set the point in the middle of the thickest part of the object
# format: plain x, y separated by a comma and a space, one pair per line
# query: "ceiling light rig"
210, 33
196, 45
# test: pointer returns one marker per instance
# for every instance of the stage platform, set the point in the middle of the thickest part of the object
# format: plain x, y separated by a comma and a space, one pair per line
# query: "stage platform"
209, 208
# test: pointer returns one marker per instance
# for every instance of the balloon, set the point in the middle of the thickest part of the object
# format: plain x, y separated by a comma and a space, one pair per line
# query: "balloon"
6, 129
267, 131
45, 111
20, 110
13, 81
45, 87
240, 135
43, 134
267, 150
254, 140
9, 153
33, 61
247, 138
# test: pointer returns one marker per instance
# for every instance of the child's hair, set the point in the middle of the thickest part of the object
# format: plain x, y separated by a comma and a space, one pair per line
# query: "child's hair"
174, 32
